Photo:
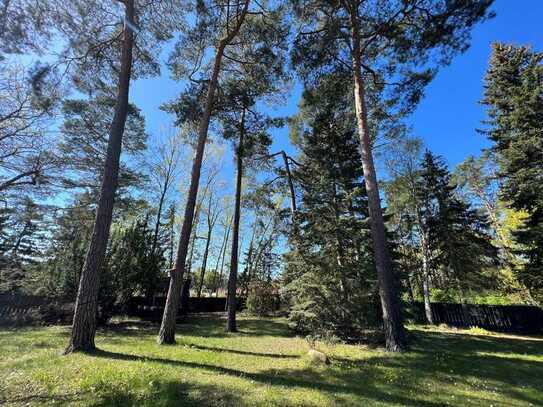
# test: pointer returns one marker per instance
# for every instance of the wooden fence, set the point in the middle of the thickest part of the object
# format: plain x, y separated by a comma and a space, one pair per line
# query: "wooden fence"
502, 318
25, 309
152, 310
16, 309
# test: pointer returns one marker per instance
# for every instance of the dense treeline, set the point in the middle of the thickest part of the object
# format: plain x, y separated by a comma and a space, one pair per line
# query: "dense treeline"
95, 209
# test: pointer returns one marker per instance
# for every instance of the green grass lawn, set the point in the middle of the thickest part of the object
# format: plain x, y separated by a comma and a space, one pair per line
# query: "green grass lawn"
264, 364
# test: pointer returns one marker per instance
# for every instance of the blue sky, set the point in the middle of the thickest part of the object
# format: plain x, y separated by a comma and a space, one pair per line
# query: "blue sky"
450, 113
448, 116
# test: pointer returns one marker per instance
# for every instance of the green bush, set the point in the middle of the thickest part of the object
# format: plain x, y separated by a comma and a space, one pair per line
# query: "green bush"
261, 298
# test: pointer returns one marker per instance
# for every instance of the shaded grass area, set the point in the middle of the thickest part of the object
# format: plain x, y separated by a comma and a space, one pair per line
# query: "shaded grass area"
264, 364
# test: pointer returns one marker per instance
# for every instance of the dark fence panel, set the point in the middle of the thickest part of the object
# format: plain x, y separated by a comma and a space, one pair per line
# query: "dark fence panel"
16, 309
152, 310
502, 318
25, 309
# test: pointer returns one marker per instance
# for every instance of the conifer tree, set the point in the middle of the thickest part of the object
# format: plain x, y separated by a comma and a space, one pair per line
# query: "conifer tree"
514, 96
108, 44
246, 40
217, 25
454, 237
329, 277
382, 44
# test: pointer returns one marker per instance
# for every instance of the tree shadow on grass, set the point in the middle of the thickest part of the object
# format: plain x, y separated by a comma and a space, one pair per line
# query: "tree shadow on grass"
483, 362
371, 388
214, 326
210, 325
448, 358
443, 341
241, 352
26, 399
170, 393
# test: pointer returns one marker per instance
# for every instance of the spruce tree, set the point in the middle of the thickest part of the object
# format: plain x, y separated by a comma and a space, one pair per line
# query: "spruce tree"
514, 97
455, 238
330, 274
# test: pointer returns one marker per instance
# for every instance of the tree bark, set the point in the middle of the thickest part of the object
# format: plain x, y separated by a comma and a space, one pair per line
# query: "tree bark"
426, 282
84, 322
204, 260
232, 278
166, 334
392, 317
159, 215
223, 255
290, 185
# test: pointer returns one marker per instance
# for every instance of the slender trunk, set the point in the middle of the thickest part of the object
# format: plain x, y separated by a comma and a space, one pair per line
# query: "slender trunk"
232, 278
339, 246
290, 185
392, 317
158, 216
204, 260
250, 257
222, 252
167, 328
84, 322
247, 272
426, 273
192, 245
426, 288
221, 274
410, 290
172, 234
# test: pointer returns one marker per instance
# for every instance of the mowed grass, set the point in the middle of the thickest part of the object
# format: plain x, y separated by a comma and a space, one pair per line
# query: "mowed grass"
265, 365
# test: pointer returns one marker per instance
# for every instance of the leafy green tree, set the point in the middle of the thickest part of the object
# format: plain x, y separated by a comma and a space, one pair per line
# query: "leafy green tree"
403, 164
134, 265
58, 275
253, 141
22, 231
514, 97
382, 45
478, 180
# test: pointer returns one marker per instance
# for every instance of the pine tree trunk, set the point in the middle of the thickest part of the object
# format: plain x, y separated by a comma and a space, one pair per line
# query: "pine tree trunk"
84, 322
167, 328
232, 278
166, 333
392, 317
